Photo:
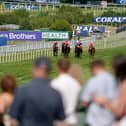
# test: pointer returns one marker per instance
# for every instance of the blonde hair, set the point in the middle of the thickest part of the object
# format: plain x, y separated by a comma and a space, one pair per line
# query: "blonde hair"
76, 71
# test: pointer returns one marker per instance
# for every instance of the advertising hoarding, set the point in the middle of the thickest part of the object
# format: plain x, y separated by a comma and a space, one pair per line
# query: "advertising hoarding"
16, 6
110, 19
121, 2
85, 30
55, 35
3, 41
22, 35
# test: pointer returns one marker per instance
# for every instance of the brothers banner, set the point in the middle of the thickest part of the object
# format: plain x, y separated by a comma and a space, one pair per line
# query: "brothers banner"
22, 35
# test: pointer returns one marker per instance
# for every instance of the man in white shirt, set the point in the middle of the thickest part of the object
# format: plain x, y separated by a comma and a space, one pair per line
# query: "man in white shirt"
69, 89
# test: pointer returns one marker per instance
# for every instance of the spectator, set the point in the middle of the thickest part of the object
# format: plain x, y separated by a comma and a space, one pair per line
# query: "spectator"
37, 104
77, 73
8, 87
119, 108
69, 89
103, 84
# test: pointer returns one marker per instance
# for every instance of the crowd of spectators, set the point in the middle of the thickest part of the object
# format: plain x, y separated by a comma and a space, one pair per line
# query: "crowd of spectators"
46, 102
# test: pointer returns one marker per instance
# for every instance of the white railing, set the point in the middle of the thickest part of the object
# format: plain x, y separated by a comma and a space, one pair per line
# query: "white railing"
27, 52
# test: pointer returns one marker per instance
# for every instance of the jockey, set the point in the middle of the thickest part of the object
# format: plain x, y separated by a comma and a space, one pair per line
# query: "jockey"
55, 43
68, 44
80, 44
65, 43
76, 42
91, 45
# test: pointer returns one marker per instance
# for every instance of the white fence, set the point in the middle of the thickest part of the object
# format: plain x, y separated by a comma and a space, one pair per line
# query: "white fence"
27, 52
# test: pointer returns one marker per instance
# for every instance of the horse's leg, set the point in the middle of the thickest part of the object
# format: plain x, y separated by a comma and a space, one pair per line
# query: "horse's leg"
81, 51
57, 53
93, 52
53, 53
75, 52
61, 52
68, 51
89, 52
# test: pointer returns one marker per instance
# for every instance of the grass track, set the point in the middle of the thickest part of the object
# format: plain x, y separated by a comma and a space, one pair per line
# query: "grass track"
22, 71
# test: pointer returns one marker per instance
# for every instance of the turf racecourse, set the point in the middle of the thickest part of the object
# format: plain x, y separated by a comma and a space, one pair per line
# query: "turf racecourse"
22, 71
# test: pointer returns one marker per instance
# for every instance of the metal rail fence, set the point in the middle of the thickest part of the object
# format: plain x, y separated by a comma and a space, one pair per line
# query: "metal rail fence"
25, 52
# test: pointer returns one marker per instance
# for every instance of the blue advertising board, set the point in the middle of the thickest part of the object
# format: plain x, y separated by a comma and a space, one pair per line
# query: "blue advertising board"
110, 19
21, 35
121, 2
82, 30
15, 6
100, 29
3, 41
85, 30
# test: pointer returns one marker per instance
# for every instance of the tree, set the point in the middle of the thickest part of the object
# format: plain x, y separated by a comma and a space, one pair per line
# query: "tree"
61, 25
73, 15
25, 24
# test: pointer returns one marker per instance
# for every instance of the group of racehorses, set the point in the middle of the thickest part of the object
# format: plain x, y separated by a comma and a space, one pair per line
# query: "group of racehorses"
78, 49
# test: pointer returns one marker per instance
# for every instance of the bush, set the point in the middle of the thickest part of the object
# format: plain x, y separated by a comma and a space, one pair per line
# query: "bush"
73, 15
8, 18
25, 24
41, 22
21, 13
61, 25
60, 19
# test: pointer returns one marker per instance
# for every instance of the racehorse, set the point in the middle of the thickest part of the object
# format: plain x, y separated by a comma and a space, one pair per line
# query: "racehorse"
65, 49
91, 51
55, 49
78, 50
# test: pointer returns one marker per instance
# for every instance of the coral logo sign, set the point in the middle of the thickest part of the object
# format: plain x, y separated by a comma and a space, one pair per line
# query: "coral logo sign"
12, 6
121, 1
110, 19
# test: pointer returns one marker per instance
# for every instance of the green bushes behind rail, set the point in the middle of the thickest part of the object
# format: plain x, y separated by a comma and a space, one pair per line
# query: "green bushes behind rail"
58, 19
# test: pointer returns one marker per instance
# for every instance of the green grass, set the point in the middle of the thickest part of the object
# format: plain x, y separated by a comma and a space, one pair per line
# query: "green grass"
22, 70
